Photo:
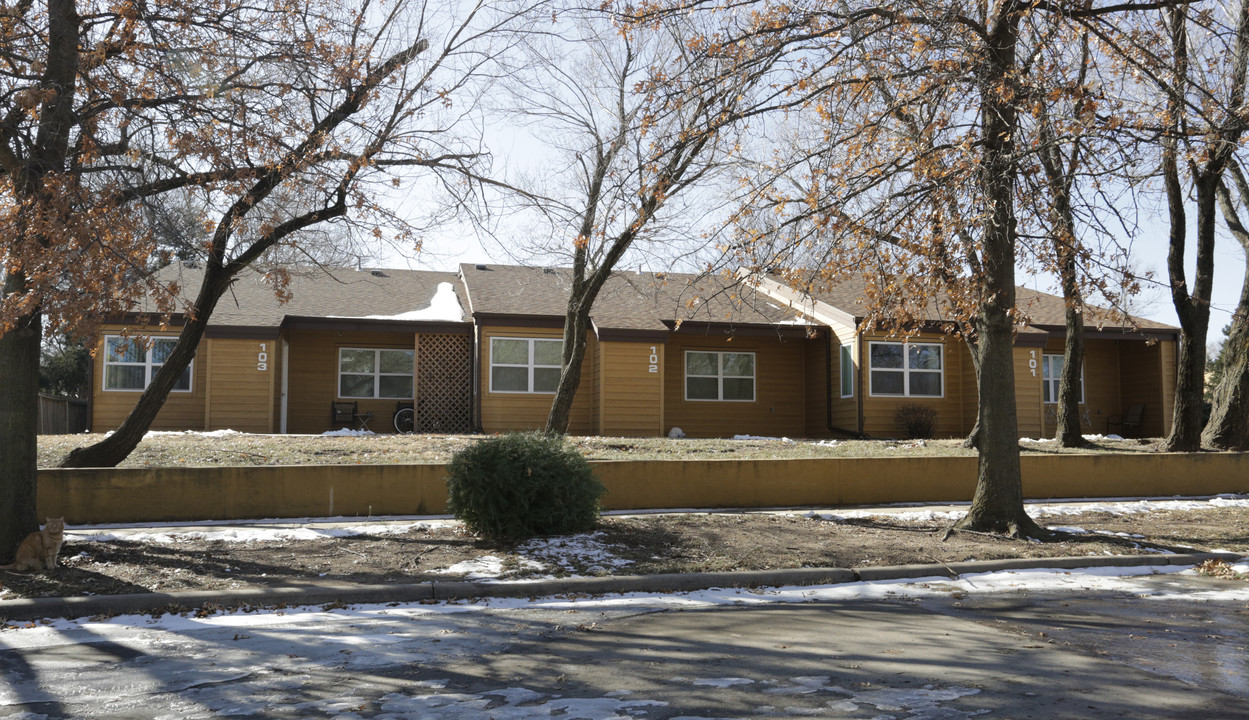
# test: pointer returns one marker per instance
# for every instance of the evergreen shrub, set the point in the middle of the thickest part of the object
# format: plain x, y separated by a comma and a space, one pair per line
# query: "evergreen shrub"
523, 485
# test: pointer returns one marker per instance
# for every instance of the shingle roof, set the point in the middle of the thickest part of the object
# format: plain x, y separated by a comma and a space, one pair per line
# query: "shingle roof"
628, 301
337, 292
1042, 309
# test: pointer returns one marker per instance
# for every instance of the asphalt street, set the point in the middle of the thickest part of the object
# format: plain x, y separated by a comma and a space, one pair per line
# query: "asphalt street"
1171, 646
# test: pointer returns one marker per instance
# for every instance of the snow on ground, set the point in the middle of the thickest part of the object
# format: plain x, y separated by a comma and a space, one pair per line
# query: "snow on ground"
1133, 581
574, 552
490, 567
1123, 506
200, 433
569, 555
252, 533
348, 432
1093, 437
762, 437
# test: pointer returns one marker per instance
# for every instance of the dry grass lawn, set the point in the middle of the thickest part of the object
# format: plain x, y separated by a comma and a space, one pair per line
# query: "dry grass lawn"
202, 450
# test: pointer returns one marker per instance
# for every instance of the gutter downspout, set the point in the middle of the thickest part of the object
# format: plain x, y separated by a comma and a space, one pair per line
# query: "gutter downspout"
828, 378
475, 407
859, 379
286, 369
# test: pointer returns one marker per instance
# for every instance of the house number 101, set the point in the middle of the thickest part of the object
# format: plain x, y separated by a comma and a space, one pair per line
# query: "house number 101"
262, 357
653, 360
1032, 362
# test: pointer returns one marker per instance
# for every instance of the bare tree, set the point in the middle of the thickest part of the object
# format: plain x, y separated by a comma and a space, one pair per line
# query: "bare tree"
633, 120
1200, 69
105, 108
1228, 427
958, 73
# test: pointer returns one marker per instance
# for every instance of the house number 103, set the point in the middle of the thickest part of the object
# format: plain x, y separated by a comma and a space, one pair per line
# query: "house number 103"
262, 357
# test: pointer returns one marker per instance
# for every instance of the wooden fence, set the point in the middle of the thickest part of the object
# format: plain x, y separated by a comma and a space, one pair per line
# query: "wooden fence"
61, 415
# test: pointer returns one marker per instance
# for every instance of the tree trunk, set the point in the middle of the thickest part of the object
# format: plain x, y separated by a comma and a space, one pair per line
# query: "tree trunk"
116, 447
19, 427
1194, 314
998, 503
1228, 428
1069, 432
575, 325
20, 347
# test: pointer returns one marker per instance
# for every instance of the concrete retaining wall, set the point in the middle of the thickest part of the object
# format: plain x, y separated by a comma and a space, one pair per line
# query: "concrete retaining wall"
229, 493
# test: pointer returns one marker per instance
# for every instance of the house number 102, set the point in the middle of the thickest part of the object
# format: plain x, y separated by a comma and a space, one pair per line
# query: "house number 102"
262, 357
653, 360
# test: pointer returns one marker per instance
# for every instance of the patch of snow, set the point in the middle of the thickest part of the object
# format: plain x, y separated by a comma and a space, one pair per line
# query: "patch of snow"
1070, 529
1091, 437
444, 305
348, 432
1039, 510
826, 443
761, 437
251, 533
573, 553
516, 704
200, 433
488, 567
723, 682
1130, 580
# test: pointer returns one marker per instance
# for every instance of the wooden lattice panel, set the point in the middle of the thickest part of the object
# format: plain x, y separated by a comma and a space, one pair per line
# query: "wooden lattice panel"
444, 384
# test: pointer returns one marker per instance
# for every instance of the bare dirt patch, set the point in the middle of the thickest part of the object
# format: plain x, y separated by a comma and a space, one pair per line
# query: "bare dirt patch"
696, 542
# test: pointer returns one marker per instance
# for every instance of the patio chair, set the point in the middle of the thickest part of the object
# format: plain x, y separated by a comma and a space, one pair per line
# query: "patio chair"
348, 413
1131, 420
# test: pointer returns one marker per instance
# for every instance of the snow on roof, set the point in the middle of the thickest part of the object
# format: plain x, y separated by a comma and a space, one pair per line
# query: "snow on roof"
444, 305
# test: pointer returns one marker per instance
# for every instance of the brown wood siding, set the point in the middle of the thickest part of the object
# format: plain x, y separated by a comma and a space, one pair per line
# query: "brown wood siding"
594, 389
506, 412
181, 411
632, 395
818, 360
1166, 354
879, 412
239, 393
1028, 406
969, 390
312, 380
1144, 370
277, 383
1101, 385
778, 408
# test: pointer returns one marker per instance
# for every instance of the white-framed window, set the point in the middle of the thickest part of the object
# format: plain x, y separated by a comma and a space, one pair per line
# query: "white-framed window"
130, 366
728, 376
525, 365
1051, 378
376, 373
847, 371
905, 369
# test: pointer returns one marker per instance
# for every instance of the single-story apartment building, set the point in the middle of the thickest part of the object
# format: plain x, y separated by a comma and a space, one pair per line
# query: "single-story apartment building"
478, 350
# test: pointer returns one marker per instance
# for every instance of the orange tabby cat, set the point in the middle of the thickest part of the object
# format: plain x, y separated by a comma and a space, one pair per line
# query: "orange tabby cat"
39, 549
